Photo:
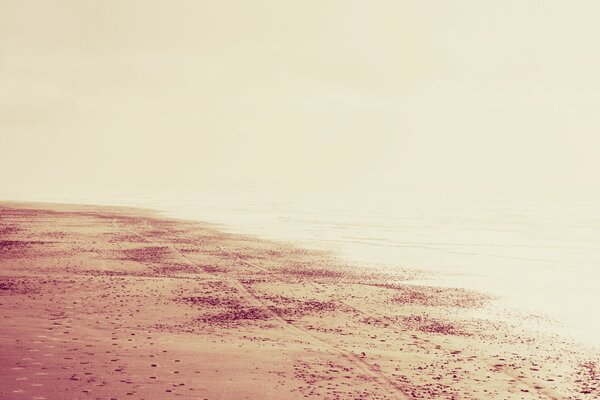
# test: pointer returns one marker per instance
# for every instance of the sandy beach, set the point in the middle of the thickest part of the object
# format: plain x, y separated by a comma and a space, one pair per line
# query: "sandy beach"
120, 303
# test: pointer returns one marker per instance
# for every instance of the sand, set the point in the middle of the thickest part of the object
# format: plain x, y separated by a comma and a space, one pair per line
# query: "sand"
119, 303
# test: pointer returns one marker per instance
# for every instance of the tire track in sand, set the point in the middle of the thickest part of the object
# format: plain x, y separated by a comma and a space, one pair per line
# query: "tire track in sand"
392, 389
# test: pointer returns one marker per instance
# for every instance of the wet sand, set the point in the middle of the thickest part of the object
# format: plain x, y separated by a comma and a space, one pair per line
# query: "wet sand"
118, 303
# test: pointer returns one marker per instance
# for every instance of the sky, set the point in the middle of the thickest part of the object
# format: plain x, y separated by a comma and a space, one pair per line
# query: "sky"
145, 97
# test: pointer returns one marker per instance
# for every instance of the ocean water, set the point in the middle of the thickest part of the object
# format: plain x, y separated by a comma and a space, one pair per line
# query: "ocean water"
536, 253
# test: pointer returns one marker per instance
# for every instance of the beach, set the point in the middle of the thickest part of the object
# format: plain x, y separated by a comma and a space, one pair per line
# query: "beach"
112, 302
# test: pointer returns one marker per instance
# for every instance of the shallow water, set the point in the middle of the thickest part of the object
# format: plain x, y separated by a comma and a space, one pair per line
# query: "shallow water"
538, 254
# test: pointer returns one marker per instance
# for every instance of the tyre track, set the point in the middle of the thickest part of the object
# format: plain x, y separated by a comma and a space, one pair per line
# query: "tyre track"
392, 389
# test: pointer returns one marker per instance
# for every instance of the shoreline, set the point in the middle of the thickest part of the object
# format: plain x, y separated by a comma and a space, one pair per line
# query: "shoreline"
187, 310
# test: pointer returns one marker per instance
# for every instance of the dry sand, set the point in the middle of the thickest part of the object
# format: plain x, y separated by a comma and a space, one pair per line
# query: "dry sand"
115, 303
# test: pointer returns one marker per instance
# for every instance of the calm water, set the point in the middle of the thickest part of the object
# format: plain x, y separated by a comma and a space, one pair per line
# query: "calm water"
538, 254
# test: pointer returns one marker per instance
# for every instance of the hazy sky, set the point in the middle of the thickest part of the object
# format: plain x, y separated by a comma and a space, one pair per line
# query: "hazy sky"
112, 97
